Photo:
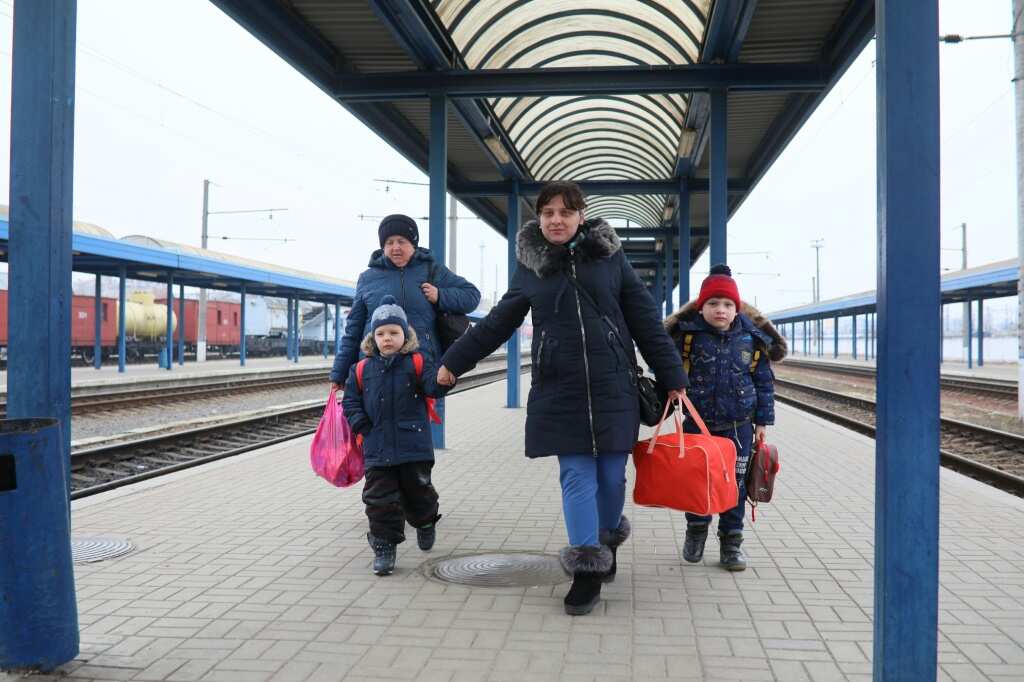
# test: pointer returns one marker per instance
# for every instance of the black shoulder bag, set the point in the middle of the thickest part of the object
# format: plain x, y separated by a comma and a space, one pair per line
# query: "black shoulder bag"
651, 395
450, 326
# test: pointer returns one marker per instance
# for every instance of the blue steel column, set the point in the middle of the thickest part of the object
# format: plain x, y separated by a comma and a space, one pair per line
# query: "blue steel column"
181, 323
296, 330
337, 327
438, 167
288, 332
97, 342
835, 337
907, 413
325, 330
121, 301
981, 332
683, 223
659, 282
719, 196
969, 333
38, 612
669, 277
853, 326
512, 347
169, 345
241, 330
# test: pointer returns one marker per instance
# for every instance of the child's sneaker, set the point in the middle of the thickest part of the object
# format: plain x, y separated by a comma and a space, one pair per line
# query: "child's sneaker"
384, 554
426, 536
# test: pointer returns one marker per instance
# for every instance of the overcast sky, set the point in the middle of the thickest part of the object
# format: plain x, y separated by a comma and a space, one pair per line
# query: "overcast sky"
170, 93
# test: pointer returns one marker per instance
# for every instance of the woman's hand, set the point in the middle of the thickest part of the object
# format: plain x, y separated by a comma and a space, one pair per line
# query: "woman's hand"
338, 387
445, 377
429, 292
760, 433
676, 395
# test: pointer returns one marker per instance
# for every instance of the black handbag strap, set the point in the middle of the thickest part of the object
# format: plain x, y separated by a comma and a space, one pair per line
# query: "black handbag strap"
585, 295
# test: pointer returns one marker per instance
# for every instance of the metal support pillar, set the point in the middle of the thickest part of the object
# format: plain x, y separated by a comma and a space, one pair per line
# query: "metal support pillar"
907, 412
512, 347
288, 331
325, 331
969, 334
659, 281
669, 276
438, 167
719, 198
38, 612
181, 323
683, 222
981, 332
853, 326
835, 338
337, 327
296, 330
241, 330
169, 331
97, 341
121, 301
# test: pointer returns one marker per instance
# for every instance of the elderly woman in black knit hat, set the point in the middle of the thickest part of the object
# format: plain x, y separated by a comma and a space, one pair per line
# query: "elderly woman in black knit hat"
419, 284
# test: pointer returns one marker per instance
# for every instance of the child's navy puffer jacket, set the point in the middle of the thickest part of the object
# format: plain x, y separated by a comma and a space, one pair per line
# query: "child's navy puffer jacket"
722, 386
390, 412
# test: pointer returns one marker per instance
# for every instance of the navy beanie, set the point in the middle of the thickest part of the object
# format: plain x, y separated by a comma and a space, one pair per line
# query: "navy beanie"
398, 224
389, 312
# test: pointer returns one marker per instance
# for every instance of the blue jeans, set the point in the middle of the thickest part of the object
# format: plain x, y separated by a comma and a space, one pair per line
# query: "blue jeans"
593, 494
743, 437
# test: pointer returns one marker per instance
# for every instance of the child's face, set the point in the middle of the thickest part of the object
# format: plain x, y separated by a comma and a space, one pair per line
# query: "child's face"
389, 338
719, 312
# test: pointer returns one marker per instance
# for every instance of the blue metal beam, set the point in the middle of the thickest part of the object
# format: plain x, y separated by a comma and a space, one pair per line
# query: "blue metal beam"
670, 254
512, 347
558, 81
685, 231
719, 200
121, 304
907, 412
169, 338
325, 330
438, 209
97, 360
38, 612
241, 329
596, 187
181, 322
337, 327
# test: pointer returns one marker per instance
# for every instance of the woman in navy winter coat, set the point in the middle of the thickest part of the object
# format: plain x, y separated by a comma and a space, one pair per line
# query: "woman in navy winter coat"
420, 285
583, 404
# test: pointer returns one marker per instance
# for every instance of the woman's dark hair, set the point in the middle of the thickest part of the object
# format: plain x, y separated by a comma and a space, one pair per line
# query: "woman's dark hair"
570, 192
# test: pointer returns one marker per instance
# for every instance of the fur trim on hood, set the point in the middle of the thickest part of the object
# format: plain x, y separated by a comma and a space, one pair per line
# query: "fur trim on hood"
369, 347
776, 352
545, 258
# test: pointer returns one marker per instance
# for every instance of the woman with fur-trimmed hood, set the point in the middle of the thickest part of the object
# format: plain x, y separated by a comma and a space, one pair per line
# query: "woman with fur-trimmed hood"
727, 348
583, 404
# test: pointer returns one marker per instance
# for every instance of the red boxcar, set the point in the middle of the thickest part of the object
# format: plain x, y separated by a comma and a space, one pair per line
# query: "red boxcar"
83, 310
222, 321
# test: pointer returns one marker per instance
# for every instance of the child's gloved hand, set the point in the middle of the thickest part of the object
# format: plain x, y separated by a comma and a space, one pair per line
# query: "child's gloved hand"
359, 439
760, 433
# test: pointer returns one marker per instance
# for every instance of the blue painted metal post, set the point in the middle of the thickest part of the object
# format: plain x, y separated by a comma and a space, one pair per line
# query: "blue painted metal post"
438, 167
719, 197
907, 412
97, 342
181, 323
659, 281
169, 341
337, 327
981, 332
512, 347
835, 338
325, 330
853, 327
969, 333
38, 612
670, 256
122, 299
296, 330
683, 221
241, 329
288, 332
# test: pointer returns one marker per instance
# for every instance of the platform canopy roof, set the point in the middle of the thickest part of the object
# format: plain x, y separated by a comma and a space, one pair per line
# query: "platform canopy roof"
95, 250
993, 280
609, 93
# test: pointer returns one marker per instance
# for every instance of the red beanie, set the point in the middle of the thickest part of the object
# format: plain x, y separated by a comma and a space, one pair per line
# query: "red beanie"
719, 284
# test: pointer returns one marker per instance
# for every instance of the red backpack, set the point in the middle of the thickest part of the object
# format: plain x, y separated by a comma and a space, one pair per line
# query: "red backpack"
417, 363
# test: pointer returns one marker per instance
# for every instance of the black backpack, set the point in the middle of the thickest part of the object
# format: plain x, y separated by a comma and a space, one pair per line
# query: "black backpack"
450, 326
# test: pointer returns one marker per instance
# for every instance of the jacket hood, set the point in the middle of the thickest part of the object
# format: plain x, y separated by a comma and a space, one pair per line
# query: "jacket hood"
369, 347
777, 349
379, 260
544, 258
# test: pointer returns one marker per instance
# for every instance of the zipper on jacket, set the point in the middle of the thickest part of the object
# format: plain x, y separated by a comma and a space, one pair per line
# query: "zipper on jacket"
540, 351
586, 361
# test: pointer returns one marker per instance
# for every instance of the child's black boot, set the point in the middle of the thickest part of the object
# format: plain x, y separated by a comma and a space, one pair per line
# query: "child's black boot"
612, 539
732, 558
587, 564
384, 554
693, 545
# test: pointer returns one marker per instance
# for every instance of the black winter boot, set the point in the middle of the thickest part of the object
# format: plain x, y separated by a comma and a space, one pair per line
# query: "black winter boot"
384, 553
587, 564
732, 558
693, 546
425, 537
612, 539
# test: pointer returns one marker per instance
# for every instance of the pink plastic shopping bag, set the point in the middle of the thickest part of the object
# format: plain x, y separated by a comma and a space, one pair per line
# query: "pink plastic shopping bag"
335, 455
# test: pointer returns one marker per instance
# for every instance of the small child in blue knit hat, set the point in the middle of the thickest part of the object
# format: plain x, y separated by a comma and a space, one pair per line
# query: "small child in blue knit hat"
386, 403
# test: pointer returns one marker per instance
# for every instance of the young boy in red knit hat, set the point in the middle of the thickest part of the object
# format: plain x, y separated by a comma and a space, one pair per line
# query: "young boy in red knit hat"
727, 348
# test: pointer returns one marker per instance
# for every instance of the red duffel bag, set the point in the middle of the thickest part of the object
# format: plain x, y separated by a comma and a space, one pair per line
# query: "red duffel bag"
690, 472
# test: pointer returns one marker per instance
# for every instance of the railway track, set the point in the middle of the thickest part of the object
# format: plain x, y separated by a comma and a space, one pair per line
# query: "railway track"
99, 469
1005, 388
988, 455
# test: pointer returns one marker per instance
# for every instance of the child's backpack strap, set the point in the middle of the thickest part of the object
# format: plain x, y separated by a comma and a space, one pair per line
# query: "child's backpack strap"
757, 356
417, 363
359, 373
687, 345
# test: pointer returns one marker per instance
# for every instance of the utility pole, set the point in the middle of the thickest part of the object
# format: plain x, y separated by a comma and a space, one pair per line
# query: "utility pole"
201, 310
453, 232
816, 245
1018, 92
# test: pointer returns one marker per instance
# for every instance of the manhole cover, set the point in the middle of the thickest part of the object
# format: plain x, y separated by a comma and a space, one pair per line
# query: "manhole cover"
88, 550
501, 570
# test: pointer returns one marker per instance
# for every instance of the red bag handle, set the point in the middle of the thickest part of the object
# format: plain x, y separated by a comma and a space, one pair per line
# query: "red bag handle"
679, 429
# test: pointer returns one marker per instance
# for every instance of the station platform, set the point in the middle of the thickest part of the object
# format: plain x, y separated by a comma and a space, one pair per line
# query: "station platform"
254, 569
990, 370
136, 373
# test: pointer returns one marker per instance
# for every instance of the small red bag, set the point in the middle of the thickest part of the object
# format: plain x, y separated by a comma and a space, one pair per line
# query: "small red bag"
690, 472
335, 454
